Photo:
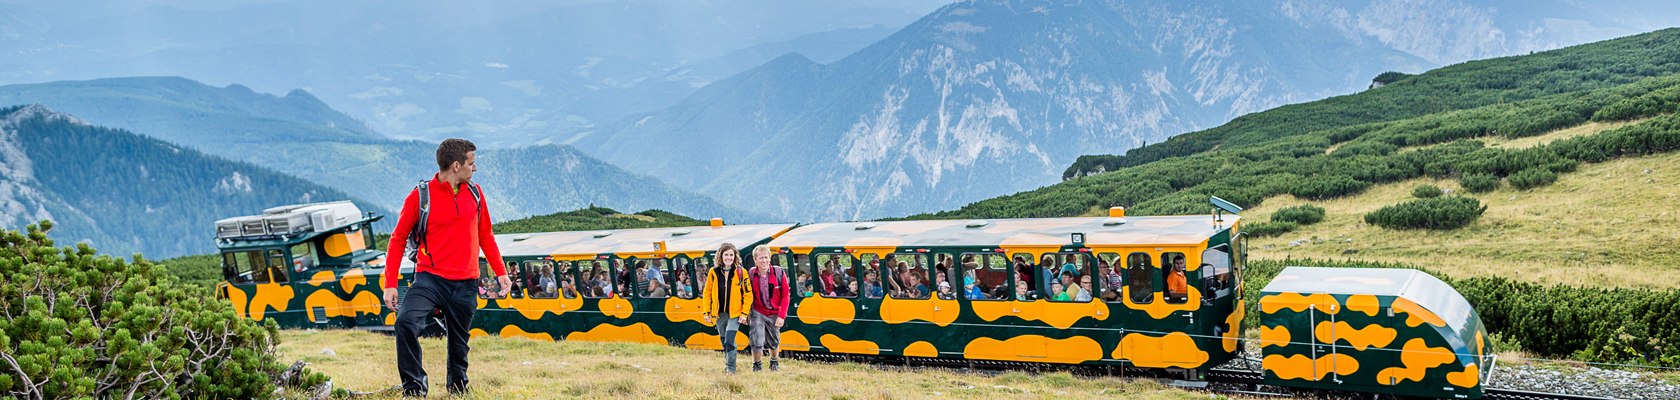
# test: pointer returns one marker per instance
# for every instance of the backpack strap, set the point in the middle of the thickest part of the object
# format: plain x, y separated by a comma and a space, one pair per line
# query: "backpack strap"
478, 197
417, 234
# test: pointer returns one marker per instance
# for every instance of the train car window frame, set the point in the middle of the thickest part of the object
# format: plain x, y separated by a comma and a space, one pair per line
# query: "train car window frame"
946, 264
516, 276
925, 287
1216, 278
1025, 265
534, 279
801, 270
276, 263
595, 289
1138, 274
681, 276
848, 272
1167, 259
565, 279
489, 287
303, 257
1083, 265
984, 267
657, 287
1109, 286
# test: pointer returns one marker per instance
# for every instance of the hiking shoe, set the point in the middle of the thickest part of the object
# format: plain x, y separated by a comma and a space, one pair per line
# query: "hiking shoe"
758, 366
775, 366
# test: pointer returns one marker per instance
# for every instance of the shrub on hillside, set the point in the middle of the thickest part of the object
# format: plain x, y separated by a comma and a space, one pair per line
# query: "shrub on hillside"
81, 324
1305, 214
1325, 187
1268, 229
1449, 212
1532, 178
1426, 192
1479, 183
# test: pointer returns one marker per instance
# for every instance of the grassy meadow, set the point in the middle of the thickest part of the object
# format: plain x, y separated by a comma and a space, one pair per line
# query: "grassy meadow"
525, 368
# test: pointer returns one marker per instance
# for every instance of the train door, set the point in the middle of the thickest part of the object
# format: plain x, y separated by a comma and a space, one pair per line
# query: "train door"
1183, 297
1217, 286
797, 268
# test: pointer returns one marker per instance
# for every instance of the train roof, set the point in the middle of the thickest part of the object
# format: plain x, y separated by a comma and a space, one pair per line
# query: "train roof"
1024, 232
1422, 288
689, 240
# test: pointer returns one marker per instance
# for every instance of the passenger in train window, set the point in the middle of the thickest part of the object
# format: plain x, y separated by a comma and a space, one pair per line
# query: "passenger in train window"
545, 284
945, 291
1047, 271
872, 285
1111, 278
1070, 263
684, 289
827, 277
971, 290
1084, 289
1023, 293
1060, 291
920, 284
567, 288
999, 292
1177, 289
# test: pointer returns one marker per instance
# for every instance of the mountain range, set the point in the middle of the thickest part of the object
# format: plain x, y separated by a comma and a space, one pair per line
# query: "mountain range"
986, 97
128, 193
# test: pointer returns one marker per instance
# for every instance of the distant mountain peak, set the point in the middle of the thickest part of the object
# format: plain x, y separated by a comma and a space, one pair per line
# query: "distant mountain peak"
33, 111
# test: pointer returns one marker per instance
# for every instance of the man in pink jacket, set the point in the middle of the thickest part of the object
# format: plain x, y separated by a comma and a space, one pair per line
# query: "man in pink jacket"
769, 310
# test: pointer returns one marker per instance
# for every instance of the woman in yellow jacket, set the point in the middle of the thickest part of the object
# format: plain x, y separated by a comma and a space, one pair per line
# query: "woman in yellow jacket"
728, 298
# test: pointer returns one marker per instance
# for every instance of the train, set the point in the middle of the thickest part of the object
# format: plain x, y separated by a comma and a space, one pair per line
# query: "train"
1162, 295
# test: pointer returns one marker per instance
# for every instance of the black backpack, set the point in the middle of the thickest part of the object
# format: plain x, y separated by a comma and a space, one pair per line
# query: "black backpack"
417, 234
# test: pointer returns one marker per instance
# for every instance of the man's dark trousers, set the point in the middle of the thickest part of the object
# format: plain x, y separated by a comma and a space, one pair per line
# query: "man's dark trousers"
455, 300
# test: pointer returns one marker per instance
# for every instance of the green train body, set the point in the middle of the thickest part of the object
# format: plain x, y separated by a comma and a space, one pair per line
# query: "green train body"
1393, 331
1135, 324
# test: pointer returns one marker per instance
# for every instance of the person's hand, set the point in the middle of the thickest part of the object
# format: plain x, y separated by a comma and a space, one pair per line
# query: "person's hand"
743, 320
779, 322
708, 318
507, 286
391, 298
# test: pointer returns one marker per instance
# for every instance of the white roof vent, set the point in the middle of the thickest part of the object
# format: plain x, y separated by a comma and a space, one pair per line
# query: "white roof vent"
977, 223
864, 226
680, 232
602, 234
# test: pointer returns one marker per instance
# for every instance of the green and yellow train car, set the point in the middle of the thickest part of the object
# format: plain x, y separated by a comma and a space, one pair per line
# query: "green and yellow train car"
324, 278
1127, 317
1392, 331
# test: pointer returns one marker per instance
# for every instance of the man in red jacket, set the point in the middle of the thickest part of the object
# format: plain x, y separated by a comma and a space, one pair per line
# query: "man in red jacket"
457, 229
769, 309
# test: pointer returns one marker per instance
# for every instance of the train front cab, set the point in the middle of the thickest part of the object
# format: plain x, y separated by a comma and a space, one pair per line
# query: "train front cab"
306, 280
1133, 324
1390, 331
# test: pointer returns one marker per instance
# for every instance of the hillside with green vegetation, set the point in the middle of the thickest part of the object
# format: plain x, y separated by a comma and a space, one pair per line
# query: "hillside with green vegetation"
1507, 126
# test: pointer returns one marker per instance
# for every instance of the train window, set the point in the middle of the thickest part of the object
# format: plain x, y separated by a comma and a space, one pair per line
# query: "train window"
596, 281
276, 266
701, 268
946, 283
985, 277
1175, 271
1107, 281
516, 277
680, 277
910, 272
1216, 270
1141, 286
540, 280
302, 258
488, 286
1072, 277
621, 278
801, 271
1027, 277
650, 278
836, 275
236, 267
565, 278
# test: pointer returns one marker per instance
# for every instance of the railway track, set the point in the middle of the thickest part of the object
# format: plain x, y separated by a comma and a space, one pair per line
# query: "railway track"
1256, 381
1223, 380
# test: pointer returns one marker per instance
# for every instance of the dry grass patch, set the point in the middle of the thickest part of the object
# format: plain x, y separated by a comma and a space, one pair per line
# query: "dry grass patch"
1609, 224
524, 368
